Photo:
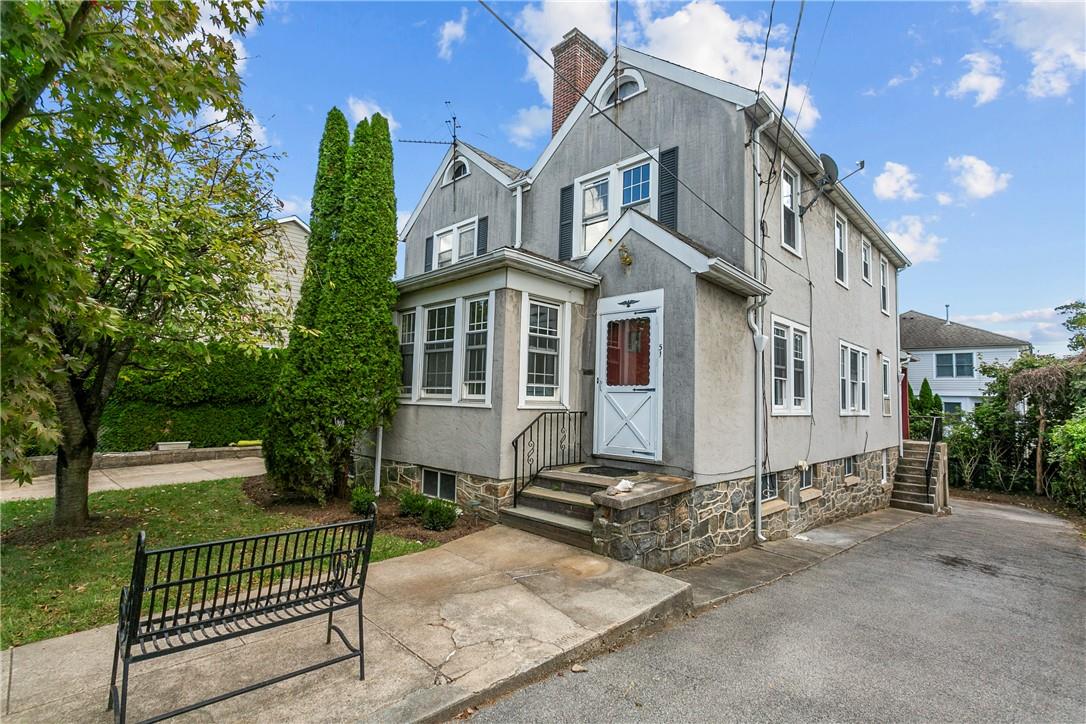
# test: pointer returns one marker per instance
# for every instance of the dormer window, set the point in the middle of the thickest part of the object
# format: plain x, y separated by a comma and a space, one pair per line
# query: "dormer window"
457, 170
629, 83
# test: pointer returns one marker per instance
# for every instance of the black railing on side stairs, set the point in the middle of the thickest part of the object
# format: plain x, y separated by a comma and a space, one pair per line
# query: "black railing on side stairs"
552, 439
934, 439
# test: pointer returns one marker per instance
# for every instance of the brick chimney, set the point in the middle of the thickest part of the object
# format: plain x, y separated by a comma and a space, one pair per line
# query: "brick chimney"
577, 59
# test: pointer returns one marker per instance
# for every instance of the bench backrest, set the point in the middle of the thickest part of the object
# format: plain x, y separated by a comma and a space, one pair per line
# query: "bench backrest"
214, 583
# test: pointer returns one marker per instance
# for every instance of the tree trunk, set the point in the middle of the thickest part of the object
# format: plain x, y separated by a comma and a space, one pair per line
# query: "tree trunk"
1039, 480
72, 484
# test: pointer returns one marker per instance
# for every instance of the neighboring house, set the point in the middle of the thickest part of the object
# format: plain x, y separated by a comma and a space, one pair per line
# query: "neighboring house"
949, 355
294, 236
592, 309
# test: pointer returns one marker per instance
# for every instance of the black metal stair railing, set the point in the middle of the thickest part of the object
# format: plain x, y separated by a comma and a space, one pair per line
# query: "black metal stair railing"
551, 440
934, 439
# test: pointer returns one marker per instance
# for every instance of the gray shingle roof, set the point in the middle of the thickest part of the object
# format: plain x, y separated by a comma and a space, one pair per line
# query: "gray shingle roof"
923, 331
507, 168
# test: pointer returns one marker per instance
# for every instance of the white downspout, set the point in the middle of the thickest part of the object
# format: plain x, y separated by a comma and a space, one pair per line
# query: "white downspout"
900, 374
754, 321
377, 463
517, 238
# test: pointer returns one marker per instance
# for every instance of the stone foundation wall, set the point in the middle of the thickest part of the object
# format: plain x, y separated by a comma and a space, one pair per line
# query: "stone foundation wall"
716, 519
474, 493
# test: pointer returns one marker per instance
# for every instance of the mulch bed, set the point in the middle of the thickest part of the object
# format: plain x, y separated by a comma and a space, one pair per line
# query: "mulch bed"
1024, 500
389, 522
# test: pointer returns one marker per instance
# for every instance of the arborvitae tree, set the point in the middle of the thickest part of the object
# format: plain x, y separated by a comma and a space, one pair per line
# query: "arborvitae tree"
357, 378
926, 400
295, 446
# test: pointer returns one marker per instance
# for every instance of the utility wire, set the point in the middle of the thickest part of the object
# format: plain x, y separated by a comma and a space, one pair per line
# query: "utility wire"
765, 48
633, 140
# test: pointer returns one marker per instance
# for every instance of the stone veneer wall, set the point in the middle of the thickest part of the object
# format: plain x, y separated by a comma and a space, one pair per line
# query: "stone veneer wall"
473, 492
718, 518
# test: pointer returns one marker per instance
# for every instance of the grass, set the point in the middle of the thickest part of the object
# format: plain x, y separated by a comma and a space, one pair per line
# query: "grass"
55, 585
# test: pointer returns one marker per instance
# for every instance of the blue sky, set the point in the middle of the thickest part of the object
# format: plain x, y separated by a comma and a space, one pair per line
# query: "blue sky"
970, 116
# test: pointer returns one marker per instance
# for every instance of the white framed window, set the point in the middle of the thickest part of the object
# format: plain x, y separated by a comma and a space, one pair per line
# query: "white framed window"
791, 380
768, 488
544, 351
630, 83
884, 285
455, 243
954, 364
849, 465
887, 386
476, 339
459, 168
439, 484
790, 188
437, 353
853, 373
840, 247
407, 352
885, 466
600, 197
865, 259
806, 478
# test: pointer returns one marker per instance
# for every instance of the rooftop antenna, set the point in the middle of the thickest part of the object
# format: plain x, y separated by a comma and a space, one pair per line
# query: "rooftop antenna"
453, 126
830, 178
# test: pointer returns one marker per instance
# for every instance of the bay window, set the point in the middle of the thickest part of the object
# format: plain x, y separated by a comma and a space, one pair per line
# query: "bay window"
791, 352
853, 373
475, 348
407, 352
544, 347
437, 356
445, 350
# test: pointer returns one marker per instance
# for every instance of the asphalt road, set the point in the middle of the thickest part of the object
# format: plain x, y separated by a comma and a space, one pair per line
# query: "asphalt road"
980, 616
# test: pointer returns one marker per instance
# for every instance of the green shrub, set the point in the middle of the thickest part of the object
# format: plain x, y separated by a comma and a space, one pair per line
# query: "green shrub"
138, 425
439, 515
413, 504
362, 498
1069, 450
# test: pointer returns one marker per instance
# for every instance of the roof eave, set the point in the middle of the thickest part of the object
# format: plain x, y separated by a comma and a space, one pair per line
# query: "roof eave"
504, 257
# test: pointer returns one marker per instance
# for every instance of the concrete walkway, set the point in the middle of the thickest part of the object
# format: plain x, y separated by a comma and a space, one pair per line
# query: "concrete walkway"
140, 476
728, 576
445, 629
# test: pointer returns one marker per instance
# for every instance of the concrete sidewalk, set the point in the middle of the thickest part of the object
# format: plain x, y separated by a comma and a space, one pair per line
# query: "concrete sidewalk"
445, 629
736, 573
140, 476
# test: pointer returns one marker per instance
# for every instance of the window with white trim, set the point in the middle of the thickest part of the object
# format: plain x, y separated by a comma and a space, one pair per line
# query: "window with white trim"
853, 370
769, 489
600, 197
407, 351
791, 352
840, 246
544, 348
594, 195
884, 285
789, 207
437, 355
806, 478
455, 243
887, 385
439, 484
954, 364
456, 170
849, 465
475, 347
630, 83
865, 260
636, 184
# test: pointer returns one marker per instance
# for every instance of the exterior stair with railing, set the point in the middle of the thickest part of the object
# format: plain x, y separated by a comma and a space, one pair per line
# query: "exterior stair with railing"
912, 490
558, 505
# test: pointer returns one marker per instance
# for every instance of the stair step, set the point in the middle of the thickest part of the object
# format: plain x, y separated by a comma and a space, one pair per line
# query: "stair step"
915, 507
561, 502
910, 487
911, 477
562, 528
911, 496
569, 476
912, 466
558, 496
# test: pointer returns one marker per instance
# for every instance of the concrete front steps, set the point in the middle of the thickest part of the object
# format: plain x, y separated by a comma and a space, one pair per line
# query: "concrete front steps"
911, 491
558, 505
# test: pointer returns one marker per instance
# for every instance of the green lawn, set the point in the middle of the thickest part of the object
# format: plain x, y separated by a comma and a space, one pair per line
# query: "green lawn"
54, 587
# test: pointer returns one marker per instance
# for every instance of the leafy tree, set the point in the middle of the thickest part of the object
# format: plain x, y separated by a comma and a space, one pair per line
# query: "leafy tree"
295, 448
124, 223
1042, 387
1075, 324
922, 408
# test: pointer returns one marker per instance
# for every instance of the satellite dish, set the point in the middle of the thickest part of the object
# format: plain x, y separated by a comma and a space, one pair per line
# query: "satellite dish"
830, 167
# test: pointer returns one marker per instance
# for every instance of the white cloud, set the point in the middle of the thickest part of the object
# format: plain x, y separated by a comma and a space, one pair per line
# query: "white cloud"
977, 178
909, 233
1052, 34
896, 182
452, 33
529, 125
360, 108
914, 72
1025, 315
944, 199
976, 6
295, 206
984, 79
254, 128
544, 25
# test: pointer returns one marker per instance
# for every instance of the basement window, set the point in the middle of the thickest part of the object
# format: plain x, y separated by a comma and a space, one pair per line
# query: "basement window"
439, 484
769, 489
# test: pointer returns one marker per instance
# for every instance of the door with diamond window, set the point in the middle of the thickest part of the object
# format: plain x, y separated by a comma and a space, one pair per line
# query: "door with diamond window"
628, 374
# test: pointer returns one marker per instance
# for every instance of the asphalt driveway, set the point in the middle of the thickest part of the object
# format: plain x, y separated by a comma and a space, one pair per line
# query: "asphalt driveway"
980, 616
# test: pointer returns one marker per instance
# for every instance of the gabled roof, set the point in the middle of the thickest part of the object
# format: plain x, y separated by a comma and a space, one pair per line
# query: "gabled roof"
686, 251
923, 331
293, 220
505, 167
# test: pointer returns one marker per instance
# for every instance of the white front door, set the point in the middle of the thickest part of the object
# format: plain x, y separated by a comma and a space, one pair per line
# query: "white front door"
629, 360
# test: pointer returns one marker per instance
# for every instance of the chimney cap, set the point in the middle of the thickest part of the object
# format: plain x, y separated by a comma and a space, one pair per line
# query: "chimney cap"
576, 36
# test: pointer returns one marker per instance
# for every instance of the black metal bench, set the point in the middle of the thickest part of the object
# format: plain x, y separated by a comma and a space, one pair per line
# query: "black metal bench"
193, 595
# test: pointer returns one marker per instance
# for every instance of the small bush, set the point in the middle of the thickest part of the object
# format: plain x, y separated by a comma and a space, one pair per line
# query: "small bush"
361, 499
439, 515
1069, 449
413, 504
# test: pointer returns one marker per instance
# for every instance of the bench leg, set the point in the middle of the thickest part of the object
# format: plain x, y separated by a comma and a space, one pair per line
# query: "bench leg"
113, 675
361, 643
328, 634
122, 705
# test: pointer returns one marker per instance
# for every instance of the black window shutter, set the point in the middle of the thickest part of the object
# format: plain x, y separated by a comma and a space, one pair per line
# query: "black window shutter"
481, 232
669, 188
565, 223
429, 254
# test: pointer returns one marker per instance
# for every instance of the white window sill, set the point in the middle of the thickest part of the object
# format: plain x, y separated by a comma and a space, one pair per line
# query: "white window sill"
790, 413
769, 507
809, 494
855, 414
794, 252
481, 404
841, 283
868, 282
886, 312
541, 406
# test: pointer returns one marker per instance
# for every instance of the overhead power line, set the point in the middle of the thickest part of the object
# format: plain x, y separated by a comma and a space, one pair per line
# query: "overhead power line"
634, 141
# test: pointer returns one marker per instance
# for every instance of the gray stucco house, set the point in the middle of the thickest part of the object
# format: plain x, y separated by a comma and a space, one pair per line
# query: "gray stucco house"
593, 310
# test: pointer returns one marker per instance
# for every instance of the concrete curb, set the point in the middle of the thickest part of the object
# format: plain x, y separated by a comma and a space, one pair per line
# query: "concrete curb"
421, 707
46, 464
